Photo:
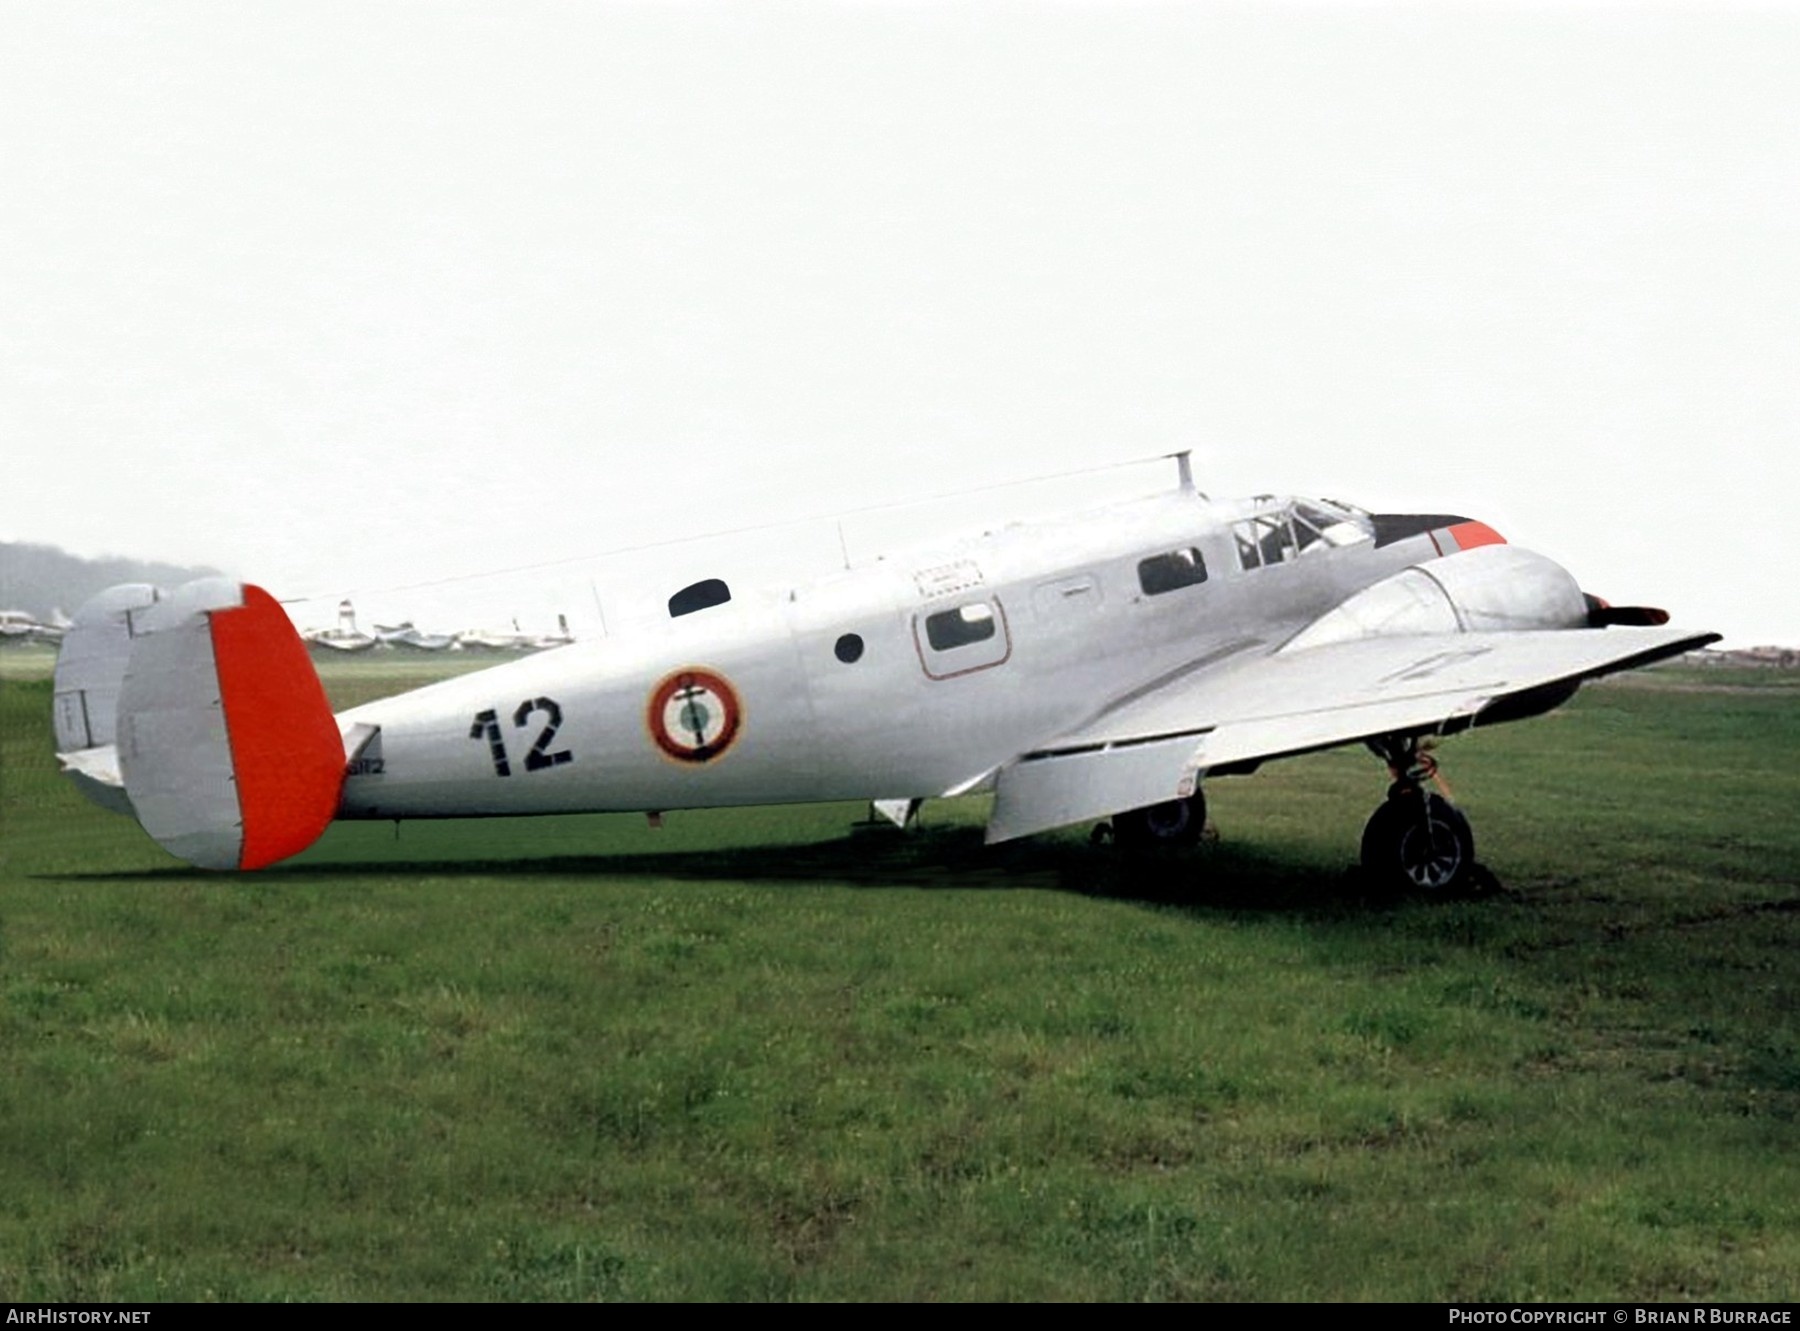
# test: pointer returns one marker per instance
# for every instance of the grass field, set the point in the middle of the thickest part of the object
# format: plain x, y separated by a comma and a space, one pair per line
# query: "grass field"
753, 1056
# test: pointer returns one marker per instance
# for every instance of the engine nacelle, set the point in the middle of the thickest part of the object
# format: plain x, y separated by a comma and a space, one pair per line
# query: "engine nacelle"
1492, 588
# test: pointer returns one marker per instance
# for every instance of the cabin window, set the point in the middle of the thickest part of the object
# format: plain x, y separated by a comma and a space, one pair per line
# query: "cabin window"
963, 639
698, 596
962, 627
849, 648
1171, 572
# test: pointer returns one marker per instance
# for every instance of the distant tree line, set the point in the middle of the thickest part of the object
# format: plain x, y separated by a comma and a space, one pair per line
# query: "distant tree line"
40, 578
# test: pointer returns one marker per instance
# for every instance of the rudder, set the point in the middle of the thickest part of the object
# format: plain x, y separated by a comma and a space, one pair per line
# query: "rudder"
227, 746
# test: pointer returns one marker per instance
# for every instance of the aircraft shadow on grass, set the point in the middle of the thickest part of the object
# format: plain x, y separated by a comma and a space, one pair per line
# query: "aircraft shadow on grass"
1213, 877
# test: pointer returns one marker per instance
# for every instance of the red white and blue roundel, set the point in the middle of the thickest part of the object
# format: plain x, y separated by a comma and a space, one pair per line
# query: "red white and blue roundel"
694, 715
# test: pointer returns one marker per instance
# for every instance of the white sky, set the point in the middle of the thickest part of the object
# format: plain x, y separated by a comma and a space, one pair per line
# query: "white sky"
343, 296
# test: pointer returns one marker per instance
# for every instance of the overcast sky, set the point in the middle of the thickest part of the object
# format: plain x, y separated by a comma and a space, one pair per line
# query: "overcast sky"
345, 297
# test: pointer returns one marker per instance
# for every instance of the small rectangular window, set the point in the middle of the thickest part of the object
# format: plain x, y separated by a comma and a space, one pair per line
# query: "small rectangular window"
960, 627
1167, 573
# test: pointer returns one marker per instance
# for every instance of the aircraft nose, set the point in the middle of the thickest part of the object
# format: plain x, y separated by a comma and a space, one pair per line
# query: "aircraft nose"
1449, 532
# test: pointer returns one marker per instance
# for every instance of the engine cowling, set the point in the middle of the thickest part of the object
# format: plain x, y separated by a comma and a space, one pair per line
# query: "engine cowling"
1492, 588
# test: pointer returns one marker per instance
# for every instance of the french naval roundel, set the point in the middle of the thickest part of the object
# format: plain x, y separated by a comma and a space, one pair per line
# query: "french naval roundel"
694, 715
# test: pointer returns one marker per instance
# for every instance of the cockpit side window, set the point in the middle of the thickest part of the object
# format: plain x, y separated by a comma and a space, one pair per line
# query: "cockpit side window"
1266, 539
1306, 534
1249, 556
1171, 571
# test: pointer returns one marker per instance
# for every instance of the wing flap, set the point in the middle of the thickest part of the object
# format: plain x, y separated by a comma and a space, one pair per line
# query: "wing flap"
1053, 790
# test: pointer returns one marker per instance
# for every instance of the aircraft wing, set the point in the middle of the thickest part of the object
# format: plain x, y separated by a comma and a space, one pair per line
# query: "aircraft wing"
1154, 745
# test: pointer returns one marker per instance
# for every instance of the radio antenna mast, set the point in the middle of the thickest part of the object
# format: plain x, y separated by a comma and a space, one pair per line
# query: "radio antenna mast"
1184, 468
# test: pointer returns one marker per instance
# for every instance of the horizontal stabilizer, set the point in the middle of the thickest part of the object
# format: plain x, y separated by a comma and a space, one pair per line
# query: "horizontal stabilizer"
95, 773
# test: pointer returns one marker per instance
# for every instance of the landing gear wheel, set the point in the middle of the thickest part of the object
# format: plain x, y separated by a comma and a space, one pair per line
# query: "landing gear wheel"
1421, 842
1171, 823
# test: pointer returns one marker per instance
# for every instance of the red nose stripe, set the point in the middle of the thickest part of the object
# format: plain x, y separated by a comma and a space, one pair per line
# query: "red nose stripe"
1468, 535
286, 753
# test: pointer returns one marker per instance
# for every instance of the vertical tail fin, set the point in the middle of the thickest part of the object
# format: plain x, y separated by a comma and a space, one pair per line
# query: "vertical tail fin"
90, 668
226, 748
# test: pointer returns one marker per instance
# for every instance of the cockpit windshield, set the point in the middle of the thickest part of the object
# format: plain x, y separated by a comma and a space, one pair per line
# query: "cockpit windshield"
1280, 530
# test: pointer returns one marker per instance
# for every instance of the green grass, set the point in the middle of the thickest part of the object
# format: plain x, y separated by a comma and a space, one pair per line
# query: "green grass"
21, 661
752, 1056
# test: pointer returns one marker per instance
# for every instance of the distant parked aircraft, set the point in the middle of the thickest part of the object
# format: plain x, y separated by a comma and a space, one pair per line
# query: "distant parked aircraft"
18, 626
404, 634
345, 636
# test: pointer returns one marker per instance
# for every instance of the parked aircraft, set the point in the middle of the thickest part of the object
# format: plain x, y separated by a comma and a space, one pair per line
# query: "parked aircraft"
344, 636
407, 634
1097, 667
561, 638
516, 640
20, 626
494, 640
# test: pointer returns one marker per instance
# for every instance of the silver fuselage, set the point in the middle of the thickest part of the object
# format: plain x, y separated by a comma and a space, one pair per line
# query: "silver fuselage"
1073, 630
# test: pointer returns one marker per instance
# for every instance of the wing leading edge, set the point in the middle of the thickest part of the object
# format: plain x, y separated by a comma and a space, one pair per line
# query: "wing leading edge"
1157, 745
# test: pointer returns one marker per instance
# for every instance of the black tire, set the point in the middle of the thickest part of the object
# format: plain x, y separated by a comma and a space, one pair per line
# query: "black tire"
1420, 842
1171, 823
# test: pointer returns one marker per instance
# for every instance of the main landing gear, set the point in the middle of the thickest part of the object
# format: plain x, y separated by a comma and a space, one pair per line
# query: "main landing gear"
1173, 823
1418, 840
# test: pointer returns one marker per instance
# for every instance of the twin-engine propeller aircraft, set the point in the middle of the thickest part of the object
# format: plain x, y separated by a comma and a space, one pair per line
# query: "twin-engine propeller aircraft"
1096, 667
